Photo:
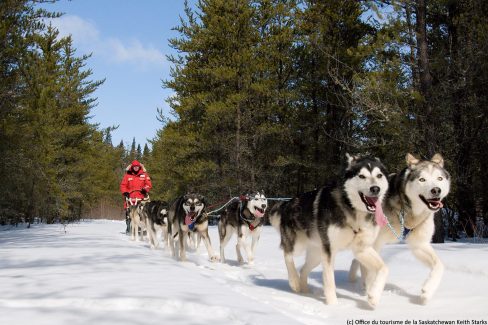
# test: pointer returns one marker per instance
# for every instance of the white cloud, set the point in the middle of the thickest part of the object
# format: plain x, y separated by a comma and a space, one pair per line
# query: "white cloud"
133, 52
82, 31
87, 38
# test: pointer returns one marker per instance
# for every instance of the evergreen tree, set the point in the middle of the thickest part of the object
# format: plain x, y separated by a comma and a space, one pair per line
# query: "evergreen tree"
133, 151
146, 153
138, 152
55, 164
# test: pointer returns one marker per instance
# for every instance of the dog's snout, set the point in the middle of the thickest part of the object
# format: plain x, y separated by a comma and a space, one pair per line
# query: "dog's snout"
374, 190
192, 208
263, 206
435, 191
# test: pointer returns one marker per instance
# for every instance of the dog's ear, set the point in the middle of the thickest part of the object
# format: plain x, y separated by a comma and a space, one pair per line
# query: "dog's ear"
411, 160
351, 159
437, 158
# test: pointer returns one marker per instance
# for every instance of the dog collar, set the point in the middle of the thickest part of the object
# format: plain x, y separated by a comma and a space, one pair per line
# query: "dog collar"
250, 225
247, 220
401, 216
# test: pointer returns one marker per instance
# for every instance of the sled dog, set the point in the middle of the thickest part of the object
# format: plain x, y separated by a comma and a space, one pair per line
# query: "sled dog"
156, 216
416, 193
187, 214
341, 215
137, 219
246, 217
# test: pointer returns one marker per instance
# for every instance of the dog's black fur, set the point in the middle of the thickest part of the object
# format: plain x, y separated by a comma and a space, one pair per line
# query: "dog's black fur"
155, 214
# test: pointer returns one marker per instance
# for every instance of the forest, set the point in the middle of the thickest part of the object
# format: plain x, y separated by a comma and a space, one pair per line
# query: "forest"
268, 94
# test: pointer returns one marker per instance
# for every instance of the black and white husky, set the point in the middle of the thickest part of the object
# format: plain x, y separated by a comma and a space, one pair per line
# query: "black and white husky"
415, 194
137, 219
338, 216
186, 215
245, 217
156, 215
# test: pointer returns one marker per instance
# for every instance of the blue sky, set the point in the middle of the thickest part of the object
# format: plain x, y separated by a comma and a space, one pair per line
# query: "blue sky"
128, 41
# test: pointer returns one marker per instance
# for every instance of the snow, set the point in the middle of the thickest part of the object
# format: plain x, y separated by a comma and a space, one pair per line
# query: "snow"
91, 273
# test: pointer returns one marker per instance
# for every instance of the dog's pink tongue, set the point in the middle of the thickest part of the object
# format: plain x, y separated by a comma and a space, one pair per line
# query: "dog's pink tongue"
379, 215
188, 218
258, 214
437, 203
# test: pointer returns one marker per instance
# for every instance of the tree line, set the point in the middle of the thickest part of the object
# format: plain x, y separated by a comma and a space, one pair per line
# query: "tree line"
54, 162
268, 94
271, 94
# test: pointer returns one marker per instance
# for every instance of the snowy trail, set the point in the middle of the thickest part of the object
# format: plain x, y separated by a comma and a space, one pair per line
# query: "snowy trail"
91, 273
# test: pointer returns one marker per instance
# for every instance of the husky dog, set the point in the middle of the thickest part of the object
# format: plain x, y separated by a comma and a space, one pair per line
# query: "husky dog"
337, 216
416, 193
187, 214
246, 217
156, 216
137, 219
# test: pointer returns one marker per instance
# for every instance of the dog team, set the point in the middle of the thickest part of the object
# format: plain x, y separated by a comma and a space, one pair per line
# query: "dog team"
364, 210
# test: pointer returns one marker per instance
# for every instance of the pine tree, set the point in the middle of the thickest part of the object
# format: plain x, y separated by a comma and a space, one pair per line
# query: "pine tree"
329, 34
55, 163
213, 83
133, 151
138, 152
146, 153
20, 23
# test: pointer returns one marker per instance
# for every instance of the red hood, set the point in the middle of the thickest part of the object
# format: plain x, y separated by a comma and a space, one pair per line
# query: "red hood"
133, 164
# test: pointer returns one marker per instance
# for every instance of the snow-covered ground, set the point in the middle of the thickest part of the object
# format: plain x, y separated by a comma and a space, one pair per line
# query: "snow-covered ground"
91, 273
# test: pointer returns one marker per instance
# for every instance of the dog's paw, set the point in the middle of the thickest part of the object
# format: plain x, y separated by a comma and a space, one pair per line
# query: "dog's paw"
332, 300
304, 288
373, 301
214, 258
294, 285
424, 298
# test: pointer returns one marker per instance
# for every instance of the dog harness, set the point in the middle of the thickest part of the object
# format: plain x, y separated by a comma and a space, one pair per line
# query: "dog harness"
246, 220
403, 233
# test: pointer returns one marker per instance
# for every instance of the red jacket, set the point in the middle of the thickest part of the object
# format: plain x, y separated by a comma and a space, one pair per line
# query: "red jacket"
134, 181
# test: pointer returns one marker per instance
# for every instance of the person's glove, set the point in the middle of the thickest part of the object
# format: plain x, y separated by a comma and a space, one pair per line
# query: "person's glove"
143, 191
126, 194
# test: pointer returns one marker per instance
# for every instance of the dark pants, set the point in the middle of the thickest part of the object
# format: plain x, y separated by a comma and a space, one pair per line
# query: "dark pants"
127, 221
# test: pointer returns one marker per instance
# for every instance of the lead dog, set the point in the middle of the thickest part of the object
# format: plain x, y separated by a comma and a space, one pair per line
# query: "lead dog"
186, 215
246, 218
341, 215
416, 193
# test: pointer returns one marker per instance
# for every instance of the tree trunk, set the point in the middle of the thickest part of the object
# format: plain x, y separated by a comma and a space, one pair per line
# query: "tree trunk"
425, 78
411, 42
238, 146
426, 116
